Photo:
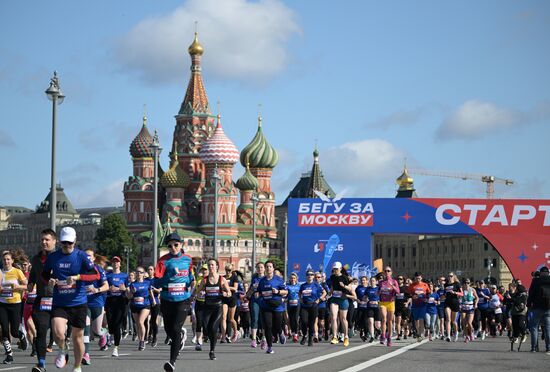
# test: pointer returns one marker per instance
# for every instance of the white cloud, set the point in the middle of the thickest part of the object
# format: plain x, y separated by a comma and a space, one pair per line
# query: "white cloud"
243, 40
474, 119
110, 195
363, 167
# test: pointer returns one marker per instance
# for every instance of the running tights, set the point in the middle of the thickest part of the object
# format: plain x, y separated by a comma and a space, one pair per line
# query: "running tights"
10, 319
272, 322
153, 325
518, 325
211, 318
174, 314
308, 317
116, 311
293, 318
42, 320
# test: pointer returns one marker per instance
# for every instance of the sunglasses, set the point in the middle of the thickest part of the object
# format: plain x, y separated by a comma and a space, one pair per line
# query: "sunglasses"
318, 277
67, 243
175, 245
388, 271
400, 279
310, 275
141, 272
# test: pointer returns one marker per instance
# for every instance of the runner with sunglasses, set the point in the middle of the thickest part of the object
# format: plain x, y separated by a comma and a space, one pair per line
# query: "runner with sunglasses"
140, 294
341, 290
174, 277
468, 303
389, 288
115, 304
402, 313
310, 294
453, 291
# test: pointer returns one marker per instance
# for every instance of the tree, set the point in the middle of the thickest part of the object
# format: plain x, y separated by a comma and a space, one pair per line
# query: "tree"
112, 237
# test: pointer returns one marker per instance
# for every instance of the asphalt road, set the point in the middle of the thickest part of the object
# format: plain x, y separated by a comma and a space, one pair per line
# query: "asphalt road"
488, 355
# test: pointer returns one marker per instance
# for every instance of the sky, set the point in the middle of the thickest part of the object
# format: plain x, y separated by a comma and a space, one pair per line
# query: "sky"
461, 87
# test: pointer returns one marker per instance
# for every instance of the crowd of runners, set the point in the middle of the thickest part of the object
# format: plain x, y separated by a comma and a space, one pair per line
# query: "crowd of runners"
82, 297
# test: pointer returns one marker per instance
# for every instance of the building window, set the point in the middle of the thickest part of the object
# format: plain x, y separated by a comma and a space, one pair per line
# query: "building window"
402, 251
246, 243
395, 252
197, 243
414, 250
389, 252
485, 246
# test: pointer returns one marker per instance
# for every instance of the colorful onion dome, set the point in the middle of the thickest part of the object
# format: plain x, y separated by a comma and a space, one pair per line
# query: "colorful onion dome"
175, 176
196, 48
259, 152
139, 148
247, 182
218, 149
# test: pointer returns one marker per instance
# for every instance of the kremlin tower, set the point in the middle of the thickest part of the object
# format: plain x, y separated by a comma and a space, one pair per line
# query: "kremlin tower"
202, 158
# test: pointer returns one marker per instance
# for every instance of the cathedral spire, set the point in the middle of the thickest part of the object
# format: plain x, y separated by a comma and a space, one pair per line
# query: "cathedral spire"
195, 101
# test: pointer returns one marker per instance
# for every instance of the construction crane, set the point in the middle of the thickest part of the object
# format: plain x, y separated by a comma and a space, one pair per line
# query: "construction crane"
489, 180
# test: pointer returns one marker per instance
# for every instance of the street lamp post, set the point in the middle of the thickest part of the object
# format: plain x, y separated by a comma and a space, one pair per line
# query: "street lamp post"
155, 146
286, 246
56, 96
127, 254
254, 200
216, 177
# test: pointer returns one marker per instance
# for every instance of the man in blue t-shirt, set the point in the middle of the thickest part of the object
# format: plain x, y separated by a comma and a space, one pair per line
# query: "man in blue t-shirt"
66, 270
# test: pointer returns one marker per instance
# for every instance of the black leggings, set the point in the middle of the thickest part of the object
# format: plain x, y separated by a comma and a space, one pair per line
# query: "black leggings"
308, 317
10, 320
116, 312
363, 320
153, 325
199, 310
244, 316
42, 320
174, 315
518, 325
272, 322
211, 318
293, 312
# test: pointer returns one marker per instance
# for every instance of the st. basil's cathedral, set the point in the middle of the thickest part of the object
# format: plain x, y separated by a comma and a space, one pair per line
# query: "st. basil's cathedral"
186, 200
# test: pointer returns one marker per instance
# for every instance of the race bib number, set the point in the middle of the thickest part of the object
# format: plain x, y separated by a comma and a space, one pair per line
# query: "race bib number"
139, 301
431, 300
63, 287
31, 297
467, 307
7, 292
293, 302
337, 294
306, 293
373, 303
176, 289
267, 294
400, 296
498, 310
46, 303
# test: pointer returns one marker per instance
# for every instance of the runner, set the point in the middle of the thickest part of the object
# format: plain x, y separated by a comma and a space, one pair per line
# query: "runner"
484, 295
468, 304
323, 317
402, 313
271, 289
29, 330
389, 288
431, 311
230, 305
198, 305
441, 306
96, 291
341, 289
215, 287
495, 308
155, 308
310, 294
244, 312
539, 304
292, 305
173, 274
419, 292
368, 295
41, 313
115, 304
253, 295
452, 306
14, 284
518, 313
140, 294
66, 271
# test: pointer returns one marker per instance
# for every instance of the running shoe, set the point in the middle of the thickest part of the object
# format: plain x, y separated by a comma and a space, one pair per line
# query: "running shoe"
134, 336
154, 342
303, 340
115, 352
110, 340
295, 338
167, 341
346, 342
49, 349
282, 339
309, 342
102, 341
141, 346
483, 335
430, 338
419, 339
194, 339
212, 355
104, 348
169, 367
371, 340
523, 338
124, 334
38, 369
9, 359
389, 342
198, 347
398, 338
382, 340
456, 337
62, 359
263, 345
86, 359
235, 337
316, 339
334, 341
23, 344
77, 369
253, 344
269, 351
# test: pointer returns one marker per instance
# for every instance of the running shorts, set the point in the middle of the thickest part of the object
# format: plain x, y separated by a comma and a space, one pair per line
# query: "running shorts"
374, 312
135, 309
343, 303
453, 305
418, 313
322, 313
390, 305
75, 315
229, 301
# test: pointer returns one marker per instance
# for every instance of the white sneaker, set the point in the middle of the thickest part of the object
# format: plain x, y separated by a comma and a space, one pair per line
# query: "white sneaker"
456, 336
483, 334
183, 338
115, 352
194, 339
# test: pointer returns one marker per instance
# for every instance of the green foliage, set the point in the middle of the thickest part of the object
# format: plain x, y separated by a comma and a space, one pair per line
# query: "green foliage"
112, 237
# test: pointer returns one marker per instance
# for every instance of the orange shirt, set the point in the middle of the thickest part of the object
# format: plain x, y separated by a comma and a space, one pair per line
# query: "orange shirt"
422, 292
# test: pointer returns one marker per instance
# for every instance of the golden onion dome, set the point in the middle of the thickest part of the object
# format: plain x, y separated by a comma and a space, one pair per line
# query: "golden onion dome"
175, 176
196, 48
404, 181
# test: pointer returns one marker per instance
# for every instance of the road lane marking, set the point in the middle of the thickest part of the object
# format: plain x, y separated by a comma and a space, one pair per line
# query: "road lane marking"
320, 359
11, 368
110, 356
379, 359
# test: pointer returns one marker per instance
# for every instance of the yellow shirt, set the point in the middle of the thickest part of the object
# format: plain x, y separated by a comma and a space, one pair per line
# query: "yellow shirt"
7, 294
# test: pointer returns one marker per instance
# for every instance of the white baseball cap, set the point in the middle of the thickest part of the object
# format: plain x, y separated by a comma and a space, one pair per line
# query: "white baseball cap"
337, 265
68, 234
